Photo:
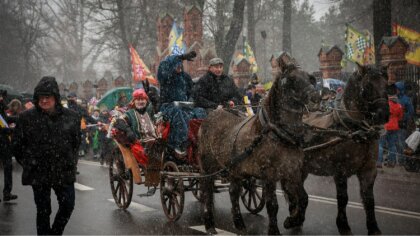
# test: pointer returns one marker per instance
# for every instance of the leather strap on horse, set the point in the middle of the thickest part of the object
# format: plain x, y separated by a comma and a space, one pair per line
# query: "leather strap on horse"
267, 128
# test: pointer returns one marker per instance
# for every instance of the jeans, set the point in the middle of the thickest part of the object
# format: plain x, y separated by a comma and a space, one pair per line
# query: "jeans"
6, 158
391, 138
66, 199
178, 121
402, 136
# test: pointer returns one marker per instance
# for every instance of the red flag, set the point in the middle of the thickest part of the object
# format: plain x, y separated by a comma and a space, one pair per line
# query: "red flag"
140, 70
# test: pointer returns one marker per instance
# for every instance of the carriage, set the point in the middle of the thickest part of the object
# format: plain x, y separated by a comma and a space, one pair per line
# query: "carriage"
174, 175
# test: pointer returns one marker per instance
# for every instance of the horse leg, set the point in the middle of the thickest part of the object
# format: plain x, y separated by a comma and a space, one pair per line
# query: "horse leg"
298, 201
367, 180
342, 200
234, 193
207, 188
272, 207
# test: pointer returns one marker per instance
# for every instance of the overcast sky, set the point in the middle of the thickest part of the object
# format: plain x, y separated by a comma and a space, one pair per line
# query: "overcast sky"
320, 6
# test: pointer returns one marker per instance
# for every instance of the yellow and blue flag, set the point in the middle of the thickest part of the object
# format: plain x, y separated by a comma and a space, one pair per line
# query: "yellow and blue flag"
249, 55
355, 46
3, 123
176, 44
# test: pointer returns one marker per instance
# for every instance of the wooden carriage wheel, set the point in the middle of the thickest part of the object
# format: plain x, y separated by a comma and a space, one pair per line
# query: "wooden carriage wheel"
195, 188
252, 197
121, 180
172, 193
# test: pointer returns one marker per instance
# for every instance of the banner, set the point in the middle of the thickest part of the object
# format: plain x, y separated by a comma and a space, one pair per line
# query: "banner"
413, 39
3, 123
249, 55
140, 70
359, 47
176, 43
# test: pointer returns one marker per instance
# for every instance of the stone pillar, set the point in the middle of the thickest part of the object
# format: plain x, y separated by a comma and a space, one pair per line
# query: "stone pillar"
392, 50
193, 37
330, 61
164, 26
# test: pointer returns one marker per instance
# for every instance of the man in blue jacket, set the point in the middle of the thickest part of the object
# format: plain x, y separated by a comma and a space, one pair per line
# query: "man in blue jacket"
409, 115
176, 86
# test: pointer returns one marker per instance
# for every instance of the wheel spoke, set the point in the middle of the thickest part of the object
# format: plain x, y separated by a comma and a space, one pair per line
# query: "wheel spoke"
249, 200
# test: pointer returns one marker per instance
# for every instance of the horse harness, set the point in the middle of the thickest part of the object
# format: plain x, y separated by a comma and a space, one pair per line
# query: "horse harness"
276, 133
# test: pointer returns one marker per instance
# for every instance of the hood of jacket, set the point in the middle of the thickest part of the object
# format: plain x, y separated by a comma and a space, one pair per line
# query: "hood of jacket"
401, 87
47, 86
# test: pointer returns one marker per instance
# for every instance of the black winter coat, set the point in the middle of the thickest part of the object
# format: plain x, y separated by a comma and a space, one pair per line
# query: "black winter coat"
209, 91
5, 132
46, 146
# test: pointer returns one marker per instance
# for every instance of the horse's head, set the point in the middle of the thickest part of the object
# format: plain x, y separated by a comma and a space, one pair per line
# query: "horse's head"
366, 90
292, 89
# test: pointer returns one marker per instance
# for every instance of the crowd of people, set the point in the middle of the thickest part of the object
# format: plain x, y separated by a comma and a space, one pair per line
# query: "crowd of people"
49, 134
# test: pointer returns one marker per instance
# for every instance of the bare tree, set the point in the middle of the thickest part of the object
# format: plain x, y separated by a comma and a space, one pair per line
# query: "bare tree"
251, 21
287, 26
381, 23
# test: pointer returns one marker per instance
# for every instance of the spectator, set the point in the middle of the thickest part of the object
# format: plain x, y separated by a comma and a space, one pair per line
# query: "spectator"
408, 118
391, 129
5, 148
45, 143
253, 97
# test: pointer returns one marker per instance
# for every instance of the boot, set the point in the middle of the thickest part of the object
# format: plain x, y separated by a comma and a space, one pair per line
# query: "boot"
9, 197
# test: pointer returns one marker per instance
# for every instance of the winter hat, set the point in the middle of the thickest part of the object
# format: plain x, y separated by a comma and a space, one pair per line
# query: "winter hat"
47, 86
140, 94
215, 61
72, 95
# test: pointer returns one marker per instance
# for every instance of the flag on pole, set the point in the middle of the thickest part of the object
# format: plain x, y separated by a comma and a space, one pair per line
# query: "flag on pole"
249, 55
413, 39
3, 123
355, 45
369, 55
140, 70
176, 42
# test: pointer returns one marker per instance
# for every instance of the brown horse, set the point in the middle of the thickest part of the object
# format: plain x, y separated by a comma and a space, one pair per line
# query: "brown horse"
364, 105
249, 147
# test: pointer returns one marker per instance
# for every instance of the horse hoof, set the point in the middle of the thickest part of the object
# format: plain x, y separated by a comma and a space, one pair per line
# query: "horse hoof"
240, 226
292, 223
211, 231
375, 232
274, 231
345, 231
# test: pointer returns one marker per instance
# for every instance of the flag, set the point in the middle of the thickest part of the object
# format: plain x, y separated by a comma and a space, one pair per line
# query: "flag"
140, 70
369, 54
355, 46
249, 55
176, 44
3, 123
413, 39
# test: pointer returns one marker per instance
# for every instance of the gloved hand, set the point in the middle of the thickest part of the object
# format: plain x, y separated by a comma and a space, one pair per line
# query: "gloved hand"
188, 56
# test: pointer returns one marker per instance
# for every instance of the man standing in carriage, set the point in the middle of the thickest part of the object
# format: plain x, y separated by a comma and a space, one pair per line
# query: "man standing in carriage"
215, 90
176, 86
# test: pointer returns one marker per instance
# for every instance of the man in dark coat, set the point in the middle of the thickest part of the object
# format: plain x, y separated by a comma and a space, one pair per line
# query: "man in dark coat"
5, 148
216, 90
45, 143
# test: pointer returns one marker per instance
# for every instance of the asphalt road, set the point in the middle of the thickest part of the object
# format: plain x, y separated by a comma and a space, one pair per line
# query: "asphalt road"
397, 203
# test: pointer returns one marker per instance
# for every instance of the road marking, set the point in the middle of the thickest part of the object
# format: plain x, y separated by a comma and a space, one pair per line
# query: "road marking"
92, 163
357, 205
201, 228
82, 187
140, 207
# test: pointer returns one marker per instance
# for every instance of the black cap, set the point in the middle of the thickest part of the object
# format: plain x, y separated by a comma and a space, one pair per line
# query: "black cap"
72, 95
